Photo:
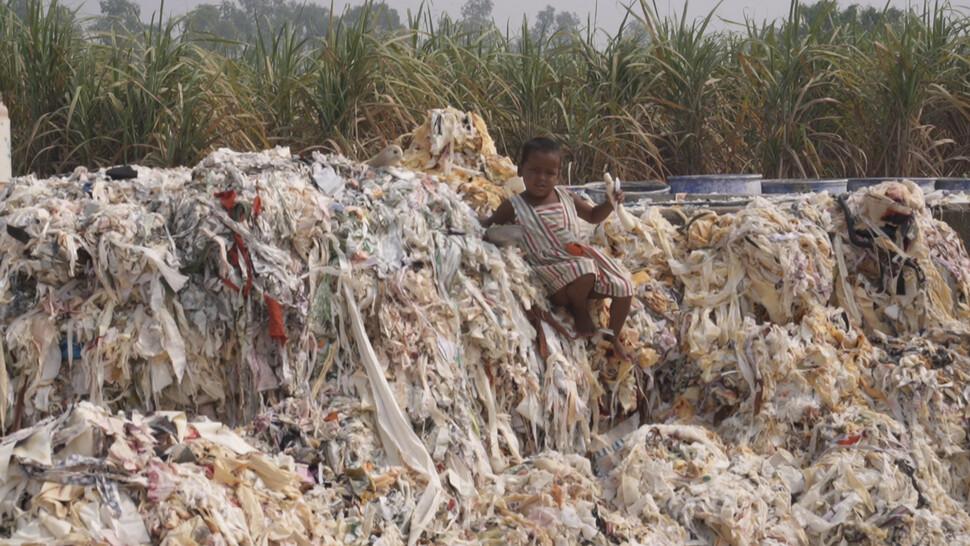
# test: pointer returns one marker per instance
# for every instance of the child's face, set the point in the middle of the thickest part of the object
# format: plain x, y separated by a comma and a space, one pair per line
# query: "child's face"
540, 172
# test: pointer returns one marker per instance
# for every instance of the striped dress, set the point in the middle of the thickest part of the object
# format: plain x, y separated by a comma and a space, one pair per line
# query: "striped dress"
548, 229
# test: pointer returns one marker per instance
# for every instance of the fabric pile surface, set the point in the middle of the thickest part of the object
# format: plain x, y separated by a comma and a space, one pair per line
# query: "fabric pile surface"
309, 350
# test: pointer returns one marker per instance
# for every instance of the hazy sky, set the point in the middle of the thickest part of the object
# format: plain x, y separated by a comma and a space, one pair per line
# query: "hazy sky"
608, 13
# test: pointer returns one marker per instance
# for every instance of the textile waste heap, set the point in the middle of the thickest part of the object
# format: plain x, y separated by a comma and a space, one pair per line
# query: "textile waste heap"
801, 372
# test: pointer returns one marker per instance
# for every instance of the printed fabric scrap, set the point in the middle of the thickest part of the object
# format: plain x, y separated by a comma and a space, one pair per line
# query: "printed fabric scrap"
553, 249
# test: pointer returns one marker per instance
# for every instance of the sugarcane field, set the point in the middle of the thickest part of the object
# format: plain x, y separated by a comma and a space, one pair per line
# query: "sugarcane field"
291, 275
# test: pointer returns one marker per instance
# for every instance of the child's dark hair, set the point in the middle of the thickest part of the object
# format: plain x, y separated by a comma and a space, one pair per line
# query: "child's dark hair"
541, 145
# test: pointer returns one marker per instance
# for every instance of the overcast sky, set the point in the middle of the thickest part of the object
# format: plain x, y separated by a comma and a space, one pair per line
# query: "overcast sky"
608, 13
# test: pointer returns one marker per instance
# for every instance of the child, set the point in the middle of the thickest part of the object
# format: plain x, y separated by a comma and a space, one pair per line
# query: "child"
574, 272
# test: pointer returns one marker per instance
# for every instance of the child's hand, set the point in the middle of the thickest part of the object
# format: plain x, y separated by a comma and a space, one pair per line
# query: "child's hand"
504, 214
504, 235
619, 196
593, 215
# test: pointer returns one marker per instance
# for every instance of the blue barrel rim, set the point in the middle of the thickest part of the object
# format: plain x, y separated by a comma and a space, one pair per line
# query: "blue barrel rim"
779, 186
895, 178
724, 184
725, 176
813, 180
953, 183
597, 190
925, 183
627, 184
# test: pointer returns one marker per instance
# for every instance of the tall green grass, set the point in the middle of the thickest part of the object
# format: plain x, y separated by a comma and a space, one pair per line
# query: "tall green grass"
797, 97
790, 80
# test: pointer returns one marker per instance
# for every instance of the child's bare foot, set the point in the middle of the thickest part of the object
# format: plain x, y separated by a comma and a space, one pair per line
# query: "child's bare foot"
620, 352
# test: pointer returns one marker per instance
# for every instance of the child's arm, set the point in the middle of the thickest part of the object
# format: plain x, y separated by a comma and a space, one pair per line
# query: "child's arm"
504, 214
597, 214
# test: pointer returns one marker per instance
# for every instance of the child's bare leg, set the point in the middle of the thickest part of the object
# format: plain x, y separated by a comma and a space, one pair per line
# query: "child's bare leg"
577, 295
619, 310
559, 297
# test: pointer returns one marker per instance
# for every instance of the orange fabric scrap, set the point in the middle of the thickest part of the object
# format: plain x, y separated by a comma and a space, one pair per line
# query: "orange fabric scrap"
228, 200
575, 249
229, 284
276, 330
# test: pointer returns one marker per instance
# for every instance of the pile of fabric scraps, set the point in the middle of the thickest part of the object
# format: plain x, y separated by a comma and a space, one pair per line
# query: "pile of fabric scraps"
802, 373
456, 146
831, 330
900, 270
682, 479
90, 477
548, 498
163, 289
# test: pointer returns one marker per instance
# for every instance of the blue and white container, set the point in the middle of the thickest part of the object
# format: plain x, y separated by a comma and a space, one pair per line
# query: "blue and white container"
953, 184
804, 185
738, 184
632, 191
925, 184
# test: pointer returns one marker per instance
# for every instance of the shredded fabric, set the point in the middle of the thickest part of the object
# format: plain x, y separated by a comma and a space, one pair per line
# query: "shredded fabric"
276, 349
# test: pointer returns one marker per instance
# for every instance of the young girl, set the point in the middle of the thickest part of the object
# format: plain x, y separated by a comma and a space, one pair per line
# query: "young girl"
574, 272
